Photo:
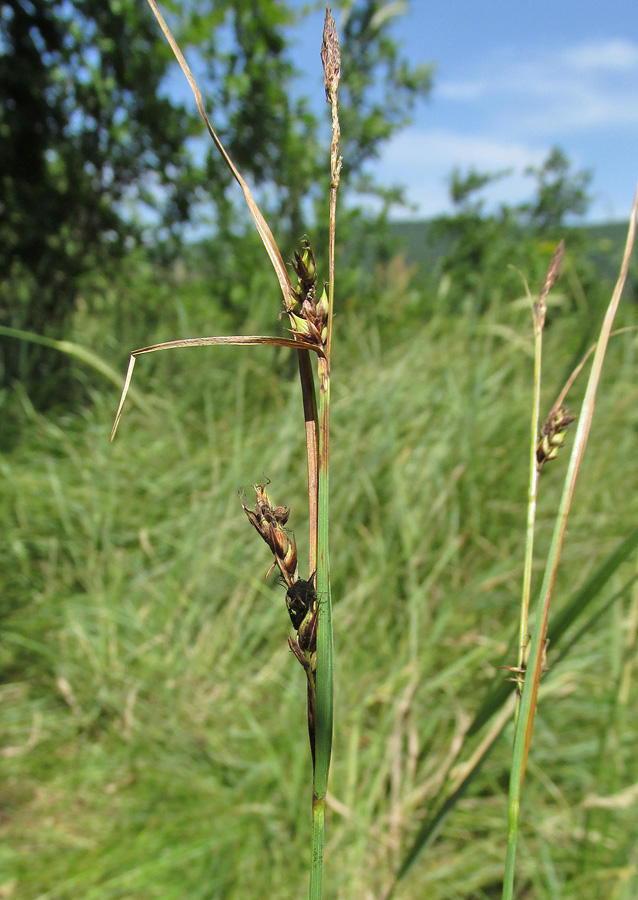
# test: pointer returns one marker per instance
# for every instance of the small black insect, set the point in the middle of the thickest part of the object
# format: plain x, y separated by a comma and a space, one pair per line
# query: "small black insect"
300, 599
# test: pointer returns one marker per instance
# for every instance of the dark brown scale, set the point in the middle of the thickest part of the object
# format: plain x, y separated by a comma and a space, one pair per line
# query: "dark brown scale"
300, 599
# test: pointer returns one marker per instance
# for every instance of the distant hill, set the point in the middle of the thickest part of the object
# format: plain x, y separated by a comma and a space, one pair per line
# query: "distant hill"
416, 241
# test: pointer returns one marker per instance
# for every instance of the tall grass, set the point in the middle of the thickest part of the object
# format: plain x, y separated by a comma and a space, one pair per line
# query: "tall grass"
146, 756
155, 737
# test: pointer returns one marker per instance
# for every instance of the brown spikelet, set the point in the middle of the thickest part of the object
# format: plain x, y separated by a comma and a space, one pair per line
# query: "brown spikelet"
553, 271
330, 57
269, 521
552, 435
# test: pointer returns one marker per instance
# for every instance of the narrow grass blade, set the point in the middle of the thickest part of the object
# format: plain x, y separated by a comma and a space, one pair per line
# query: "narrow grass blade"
72, 349
574, 609
432, 826
539, 310
569, 615
593, 620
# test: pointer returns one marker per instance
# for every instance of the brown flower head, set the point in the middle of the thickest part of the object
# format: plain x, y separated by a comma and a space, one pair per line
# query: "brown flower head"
269, 521
552, 435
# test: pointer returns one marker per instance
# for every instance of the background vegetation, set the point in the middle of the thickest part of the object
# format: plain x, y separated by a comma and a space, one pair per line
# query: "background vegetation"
154, 738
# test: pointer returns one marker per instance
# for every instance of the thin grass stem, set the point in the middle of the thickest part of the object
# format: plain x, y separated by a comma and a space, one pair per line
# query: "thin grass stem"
325, 652
532, 495
539, 310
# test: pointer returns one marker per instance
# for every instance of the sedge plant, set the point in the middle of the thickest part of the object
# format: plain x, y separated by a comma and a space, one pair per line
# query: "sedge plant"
310, 313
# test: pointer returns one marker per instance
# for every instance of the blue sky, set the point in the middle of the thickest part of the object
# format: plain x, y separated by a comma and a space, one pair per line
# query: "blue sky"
513, 79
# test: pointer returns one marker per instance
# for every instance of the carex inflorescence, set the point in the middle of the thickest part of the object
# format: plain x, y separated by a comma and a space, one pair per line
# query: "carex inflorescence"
301, 595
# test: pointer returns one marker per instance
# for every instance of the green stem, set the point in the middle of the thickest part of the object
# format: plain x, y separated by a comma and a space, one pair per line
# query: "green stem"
324, 674
316, 871
532, 495
514, 798
512, 837
324, 633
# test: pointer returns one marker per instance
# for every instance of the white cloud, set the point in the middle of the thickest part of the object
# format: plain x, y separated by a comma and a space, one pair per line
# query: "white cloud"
439, 147
583, 87
423, 160
607, 54
518, 104
463, 90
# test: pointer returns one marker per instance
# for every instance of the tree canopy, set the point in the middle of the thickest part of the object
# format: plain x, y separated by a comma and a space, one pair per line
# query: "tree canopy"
86, 136
95, 154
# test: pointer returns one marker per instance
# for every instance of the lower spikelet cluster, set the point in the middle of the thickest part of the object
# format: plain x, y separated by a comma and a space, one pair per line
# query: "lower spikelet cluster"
301, 595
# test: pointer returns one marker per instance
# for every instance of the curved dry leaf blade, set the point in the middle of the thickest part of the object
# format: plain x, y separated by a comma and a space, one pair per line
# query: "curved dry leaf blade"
127, 382
250, 340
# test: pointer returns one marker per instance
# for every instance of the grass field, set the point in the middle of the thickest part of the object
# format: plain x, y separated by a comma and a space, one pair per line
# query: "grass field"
154, 736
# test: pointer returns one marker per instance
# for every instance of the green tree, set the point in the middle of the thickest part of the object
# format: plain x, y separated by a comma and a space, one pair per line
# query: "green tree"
481, 247
561, 194
86, 134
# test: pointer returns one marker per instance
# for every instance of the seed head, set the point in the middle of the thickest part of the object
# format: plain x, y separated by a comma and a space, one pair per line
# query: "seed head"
552, 435
330, 57
269, 521
309, 317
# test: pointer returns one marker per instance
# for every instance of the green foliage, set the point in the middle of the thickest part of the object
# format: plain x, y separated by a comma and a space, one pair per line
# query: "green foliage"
155, 743
246, 76
560, 194
273, 133
85, 133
